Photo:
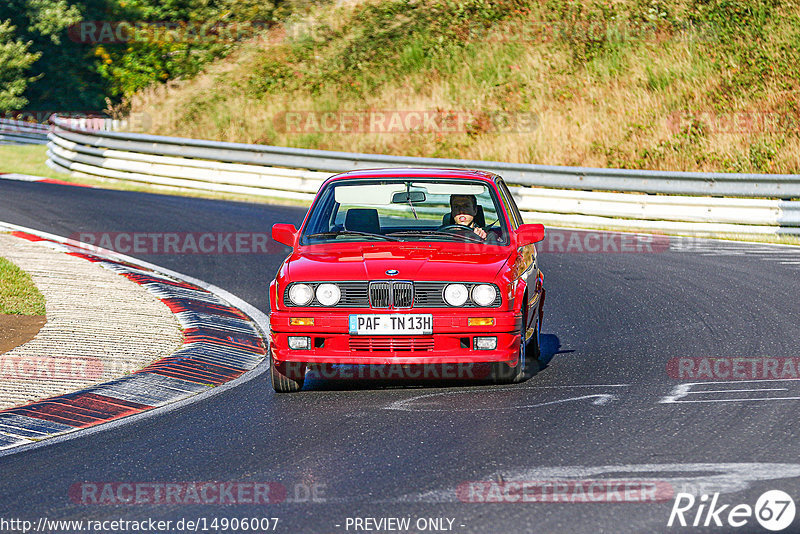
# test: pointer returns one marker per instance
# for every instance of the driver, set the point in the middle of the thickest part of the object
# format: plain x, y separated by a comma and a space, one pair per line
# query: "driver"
464, 208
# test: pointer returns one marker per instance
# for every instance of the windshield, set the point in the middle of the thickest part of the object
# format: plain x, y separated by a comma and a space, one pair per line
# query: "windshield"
410, 209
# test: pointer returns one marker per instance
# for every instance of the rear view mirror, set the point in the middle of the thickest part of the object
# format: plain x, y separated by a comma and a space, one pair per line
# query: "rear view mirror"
284, 233
408, 197
529, 233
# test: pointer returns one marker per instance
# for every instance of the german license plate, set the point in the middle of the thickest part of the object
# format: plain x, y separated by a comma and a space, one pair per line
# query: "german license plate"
391, 324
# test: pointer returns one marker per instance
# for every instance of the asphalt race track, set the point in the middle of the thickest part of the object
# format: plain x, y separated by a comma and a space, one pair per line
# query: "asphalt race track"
603, 407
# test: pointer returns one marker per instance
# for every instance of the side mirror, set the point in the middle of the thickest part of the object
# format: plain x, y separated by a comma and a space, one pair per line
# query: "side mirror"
529, 233
284, 233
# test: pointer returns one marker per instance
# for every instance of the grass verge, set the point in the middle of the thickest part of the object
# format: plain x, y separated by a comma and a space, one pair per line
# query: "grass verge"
18, 294
27, 159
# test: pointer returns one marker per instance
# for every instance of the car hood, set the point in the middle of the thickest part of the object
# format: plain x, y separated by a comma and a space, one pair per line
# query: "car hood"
435, 261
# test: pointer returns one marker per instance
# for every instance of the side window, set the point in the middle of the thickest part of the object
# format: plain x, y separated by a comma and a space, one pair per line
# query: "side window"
317, 222
486, 201
511, 206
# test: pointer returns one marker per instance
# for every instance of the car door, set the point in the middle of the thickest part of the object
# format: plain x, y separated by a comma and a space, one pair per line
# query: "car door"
526, 263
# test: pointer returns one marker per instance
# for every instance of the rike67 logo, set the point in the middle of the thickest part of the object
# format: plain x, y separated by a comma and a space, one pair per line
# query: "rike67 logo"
774, 510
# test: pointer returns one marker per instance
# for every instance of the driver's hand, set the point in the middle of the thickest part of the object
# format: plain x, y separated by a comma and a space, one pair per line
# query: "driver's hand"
481, 232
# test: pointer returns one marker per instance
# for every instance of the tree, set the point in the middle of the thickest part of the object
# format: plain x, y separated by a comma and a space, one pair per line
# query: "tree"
203, 31
76, 72
15, 64
66, 73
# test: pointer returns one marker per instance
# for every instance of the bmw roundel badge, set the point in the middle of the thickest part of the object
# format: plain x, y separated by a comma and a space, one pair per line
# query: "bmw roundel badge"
392, 272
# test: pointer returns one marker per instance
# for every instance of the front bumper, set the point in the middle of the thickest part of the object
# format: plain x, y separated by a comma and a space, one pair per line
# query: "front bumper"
452, 340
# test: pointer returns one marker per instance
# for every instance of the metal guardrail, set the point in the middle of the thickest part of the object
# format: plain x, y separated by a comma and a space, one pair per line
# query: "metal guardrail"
664, 201
20, 132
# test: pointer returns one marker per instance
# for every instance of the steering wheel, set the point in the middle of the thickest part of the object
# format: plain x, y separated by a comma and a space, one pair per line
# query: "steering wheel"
460, 228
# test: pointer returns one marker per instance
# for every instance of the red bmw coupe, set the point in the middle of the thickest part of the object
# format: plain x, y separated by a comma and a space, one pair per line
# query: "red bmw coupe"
407, 266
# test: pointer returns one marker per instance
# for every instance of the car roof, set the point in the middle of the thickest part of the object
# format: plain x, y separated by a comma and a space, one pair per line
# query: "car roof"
412, 172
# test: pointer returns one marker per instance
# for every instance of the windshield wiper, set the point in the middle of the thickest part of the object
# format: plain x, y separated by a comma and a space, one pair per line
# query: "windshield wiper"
414, 232
475, 238
438, 233
352, 232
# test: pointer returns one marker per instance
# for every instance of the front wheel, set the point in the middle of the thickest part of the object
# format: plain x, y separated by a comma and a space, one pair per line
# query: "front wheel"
531, 349
534, 345
502, 373
287, 377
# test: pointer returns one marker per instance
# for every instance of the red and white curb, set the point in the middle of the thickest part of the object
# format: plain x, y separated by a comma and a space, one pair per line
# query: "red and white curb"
224, 338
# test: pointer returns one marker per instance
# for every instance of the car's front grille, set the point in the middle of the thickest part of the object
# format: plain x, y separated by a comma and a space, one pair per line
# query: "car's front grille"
431, 295
391, 344
385, 294
379, 294
354, 295
399, 294
403, 294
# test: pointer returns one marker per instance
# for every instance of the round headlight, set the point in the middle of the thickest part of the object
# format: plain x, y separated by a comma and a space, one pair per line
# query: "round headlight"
328, 294
456, 294
483, 294
301, 294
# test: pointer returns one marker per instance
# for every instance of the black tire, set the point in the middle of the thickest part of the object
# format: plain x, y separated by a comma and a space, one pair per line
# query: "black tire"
287, 377
534, 348
522, 362
532, 353
502, 373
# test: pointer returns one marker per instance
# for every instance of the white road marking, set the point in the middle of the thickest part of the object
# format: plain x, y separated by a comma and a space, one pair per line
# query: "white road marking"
738, 390
600, 399
585, 386
681, 391
782, 254
694, 478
